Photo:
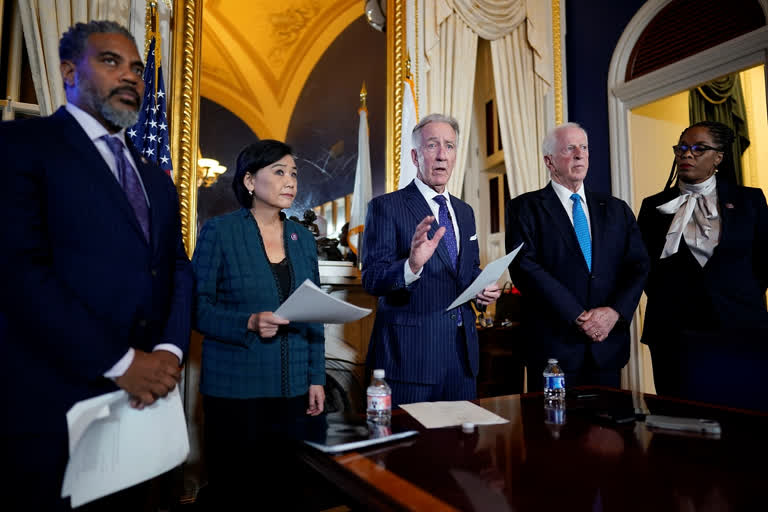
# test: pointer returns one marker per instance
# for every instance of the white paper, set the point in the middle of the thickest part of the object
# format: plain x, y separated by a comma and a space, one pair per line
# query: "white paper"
308, 303
449, 414
114, 446
490, 274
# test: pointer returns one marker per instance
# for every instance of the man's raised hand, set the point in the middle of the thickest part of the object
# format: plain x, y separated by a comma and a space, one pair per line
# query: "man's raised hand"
422, 248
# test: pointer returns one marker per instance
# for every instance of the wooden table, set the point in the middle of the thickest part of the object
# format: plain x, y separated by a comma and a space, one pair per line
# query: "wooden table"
584, 464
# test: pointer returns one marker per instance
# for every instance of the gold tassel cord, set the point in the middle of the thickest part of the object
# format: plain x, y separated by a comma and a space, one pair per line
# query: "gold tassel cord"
714, 102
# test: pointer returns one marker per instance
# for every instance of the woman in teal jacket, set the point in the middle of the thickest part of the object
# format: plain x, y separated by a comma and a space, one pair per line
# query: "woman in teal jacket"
262, 377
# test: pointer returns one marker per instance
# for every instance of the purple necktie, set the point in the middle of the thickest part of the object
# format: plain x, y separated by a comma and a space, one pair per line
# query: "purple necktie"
129, 180
444, 218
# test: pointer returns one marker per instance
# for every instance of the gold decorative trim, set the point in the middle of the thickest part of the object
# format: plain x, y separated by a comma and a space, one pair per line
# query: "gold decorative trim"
395, 75
148, 26
557, 52
185, 111
416, 57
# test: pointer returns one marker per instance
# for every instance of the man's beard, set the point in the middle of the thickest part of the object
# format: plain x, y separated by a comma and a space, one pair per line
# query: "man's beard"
116, 117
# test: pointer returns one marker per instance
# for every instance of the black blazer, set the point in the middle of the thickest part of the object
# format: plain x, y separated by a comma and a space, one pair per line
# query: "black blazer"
729, 291
556, 284
80, 283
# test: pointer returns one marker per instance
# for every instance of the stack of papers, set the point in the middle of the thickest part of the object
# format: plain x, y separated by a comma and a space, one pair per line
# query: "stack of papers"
308, 303
113, 446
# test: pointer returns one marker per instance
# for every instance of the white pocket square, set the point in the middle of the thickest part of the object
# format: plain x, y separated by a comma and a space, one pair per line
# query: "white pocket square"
473, 237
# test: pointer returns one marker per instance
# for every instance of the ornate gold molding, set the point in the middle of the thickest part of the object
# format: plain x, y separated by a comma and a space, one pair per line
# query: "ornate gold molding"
557, 54
185, 111
417, 57
395, 76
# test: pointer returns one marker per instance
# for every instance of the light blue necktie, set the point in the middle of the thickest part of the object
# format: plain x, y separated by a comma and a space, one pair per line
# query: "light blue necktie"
582, 230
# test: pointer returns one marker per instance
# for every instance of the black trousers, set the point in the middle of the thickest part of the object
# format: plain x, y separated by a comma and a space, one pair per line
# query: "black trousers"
251, 452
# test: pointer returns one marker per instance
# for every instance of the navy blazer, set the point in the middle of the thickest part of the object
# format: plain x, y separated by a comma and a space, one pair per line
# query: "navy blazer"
412, 328
729, 291
235, 280
556, 284
80, 285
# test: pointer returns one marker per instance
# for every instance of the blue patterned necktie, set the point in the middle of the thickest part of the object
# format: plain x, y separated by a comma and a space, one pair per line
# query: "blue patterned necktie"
582, 230
129, 180
444, 218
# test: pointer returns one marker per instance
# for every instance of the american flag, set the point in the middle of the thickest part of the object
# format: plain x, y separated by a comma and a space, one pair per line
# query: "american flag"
150, 133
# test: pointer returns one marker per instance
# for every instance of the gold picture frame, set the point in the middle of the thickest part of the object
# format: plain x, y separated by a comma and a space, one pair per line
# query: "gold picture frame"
185, 111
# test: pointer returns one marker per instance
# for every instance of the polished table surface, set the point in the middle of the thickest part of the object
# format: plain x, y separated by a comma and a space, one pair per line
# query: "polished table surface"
585, 463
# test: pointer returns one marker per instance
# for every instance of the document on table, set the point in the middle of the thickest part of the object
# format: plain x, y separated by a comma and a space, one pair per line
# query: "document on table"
308, 303
113, 446
490, 274
449, 414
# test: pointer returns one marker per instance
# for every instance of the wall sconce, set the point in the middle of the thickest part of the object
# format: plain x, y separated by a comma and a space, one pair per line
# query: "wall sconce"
208, 171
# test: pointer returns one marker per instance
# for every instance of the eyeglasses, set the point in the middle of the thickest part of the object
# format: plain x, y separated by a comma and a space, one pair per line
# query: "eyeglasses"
696, 149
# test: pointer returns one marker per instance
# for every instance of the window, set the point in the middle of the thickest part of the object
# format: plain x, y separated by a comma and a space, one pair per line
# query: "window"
17, 89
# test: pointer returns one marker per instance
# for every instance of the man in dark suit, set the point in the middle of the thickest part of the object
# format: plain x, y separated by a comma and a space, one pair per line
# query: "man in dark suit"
428, 353
97, 288
581, 271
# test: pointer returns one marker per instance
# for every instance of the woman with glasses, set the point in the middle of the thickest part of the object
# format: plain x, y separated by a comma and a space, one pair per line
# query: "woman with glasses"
707, 238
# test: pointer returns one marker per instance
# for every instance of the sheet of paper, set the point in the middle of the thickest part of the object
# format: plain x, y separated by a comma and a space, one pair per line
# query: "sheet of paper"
308, 303
490, 274
113, 446
449, 414
85, 412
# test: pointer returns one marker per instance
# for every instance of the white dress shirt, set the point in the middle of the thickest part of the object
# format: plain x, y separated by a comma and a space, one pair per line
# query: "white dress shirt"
564, 195
429, 195
95, 130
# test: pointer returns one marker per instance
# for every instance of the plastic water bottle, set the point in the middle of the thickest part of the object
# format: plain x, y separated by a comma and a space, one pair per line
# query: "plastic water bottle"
554, 381
379, 408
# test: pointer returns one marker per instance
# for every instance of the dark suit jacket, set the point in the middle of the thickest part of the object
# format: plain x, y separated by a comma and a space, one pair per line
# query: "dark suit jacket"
412, 331
556, 284
80, 284
729, 291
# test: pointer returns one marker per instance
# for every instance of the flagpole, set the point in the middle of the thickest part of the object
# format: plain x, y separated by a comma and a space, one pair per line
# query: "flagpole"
363, 106
362, 191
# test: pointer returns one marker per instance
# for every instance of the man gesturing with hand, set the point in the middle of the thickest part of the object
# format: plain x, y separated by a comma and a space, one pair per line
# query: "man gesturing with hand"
420, 251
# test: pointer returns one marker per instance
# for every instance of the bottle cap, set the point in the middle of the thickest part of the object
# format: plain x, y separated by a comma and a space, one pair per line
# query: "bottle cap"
467, 427
552, 360
378, 374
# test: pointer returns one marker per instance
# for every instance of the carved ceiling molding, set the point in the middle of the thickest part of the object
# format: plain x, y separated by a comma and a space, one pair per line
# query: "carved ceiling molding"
259, 74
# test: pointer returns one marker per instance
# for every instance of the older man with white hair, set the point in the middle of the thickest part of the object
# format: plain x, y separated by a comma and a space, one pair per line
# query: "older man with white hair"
420, 252
581, 271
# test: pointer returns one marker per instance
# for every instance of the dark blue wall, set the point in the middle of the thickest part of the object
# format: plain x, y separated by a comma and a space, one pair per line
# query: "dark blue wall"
593, 27
222, 136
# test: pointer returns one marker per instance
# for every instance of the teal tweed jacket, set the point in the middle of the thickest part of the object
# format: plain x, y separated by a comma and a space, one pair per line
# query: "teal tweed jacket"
234, 280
